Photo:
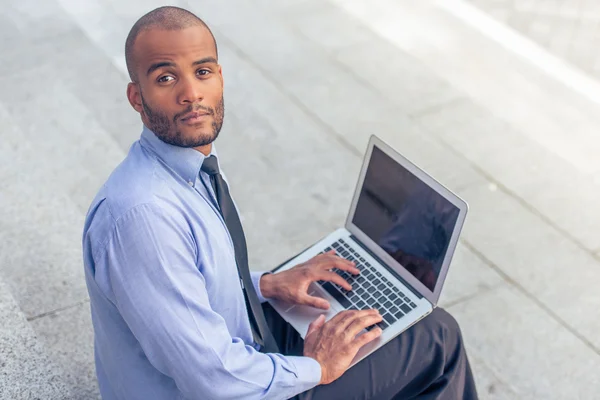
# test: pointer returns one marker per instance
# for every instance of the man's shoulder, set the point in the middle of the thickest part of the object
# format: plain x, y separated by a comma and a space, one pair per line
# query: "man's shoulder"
140, 181
133, 182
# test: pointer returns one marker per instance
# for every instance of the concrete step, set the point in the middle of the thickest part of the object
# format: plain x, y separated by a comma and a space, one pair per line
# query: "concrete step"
26, 370
50, 169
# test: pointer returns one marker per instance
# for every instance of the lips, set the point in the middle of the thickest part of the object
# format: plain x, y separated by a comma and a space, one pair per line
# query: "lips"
194, 116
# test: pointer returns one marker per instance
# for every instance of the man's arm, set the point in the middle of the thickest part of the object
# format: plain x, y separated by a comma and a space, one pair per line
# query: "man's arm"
162, 296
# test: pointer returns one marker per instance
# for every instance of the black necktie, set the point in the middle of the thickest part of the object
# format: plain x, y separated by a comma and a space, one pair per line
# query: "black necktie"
260, 330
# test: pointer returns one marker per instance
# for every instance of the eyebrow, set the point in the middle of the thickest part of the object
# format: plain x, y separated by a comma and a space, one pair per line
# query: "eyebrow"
162, 64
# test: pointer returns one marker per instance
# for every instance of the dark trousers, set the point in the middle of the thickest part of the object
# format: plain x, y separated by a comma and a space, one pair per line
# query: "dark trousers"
428, 361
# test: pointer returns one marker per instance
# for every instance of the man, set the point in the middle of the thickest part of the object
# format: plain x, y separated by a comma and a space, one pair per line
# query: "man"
176, 313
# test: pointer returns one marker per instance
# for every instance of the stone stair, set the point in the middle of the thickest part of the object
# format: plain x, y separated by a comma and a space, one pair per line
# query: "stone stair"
26, 369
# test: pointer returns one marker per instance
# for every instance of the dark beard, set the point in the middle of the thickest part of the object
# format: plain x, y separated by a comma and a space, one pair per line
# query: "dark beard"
166, 129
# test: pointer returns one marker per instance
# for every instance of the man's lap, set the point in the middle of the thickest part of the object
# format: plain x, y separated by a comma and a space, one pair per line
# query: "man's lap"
407, 364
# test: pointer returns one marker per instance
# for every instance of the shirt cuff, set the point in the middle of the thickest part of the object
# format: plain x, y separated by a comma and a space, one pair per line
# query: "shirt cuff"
255, 276
308, 373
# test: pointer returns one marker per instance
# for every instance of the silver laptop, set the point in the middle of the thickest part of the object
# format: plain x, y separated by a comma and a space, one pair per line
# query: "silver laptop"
401, 231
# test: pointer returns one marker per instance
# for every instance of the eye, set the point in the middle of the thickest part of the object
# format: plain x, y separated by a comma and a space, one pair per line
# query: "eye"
164, 78
203, 72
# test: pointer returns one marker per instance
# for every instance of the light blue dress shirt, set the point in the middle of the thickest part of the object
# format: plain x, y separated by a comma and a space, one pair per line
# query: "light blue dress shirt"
167, 306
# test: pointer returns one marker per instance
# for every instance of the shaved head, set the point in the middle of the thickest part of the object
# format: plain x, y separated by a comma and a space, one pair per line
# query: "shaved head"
163, 18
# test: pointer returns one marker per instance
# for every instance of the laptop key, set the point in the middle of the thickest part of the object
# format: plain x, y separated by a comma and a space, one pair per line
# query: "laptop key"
382, 325
401, 294
398, 302
376, 282
399, 314
378, 274
381, 286
387, 291
345, 253
360, 291
394, 310
371, 301
393, 297
337, 295
361, 304
405, 308
413, 305
387, 305
389, 318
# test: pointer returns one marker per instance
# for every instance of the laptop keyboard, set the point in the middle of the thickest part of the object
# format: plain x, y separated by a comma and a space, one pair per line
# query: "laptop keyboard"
370, 289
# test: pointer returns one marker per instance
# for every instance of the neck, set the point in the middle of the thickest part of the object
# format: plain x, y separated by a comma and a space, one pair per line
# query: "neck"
204, 149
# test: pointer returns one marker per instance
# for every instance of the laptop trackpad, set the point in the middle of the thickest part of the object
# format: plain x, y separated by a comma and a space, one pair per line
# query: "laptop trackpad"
301, 316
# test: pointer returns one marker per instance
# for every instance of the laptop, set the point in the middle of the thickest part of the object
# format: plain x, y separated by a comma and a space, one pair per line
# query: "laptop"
401, 231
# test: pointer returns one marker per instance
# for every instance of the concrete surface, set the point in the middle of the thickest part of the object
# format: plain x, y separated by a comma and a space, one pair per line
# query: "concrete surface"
519, 142
26, 370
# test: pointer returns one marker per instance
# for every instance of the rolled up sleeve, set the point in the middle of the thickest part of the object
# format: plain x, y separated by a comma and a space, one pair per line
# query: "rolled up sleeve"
161, 294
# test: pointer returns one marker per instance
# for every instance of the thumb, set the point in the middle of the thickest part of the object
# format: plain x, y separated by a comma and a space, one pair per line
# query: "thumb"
316, 324
313, 301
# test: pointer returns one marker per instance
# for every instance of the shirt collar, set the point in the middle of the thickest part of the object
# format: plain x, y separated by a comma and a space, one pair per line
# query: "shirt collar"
185, 161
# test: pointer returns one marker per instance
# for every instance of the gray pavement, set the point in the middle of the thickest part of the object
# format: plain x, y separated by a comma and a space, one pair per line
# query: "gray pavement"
568, 28
307, 83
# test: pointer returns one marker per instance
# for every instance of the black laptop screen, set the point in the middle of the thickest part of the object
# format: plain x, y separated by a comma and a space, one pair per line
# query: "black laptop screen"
412, 222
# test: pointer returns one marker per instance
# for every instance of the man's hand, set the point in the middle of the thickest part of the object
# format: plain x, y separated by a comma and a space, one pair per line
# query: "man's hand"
291, 286
334, 343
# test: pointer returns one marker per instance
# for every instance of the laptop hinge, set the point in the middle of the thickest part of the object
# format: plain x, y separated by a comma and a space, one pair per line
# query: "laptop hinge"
390, 270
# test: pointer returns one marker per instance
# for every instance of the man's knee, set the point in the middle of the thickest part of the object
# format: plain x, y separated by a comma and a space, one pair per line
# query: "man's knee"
442, 319
443, 328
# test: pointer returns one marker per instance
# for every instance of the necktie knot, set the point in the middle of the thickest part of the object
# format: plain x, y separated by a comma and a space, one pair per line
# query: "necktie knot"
210, 165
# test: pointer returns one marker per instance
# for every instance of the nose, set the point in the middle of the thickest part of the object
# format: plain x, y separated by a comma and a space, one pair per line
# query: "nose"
190, 91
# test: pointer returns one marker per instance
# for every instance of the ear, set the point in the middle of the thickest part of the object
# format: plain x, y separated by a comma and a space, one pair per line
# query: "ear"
134, 96
221, 75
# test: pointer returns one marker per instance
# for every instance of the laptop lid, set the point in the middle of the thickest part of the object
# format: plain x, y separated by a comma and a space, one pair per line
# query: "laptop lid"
407, 218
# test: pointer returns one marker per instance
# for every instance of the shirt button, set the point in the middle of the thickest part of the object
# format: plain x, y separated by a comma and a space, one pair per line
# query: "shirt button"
190, 183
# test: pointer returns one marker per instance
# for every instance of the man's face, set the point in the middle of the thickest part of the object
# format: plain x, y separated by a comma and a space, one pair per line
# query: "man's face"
179, 93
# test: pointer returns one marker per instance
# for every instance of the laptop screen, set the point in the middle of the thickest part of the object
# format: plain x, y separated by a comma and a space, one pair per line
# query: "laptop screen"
411, 221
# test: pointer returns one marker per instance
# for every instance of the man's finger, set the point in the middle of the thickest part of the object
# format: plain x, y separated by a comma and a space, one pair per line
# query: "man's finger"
344, 318
367, 337
341, 316
345, 265
316, 324
314, 301
358, 324
339, 263
333, 277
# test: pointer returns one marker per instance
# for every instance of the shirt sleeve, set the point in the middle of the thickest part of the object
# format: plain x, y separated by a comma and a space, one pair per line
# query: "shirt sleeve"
256, 275
161, 294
